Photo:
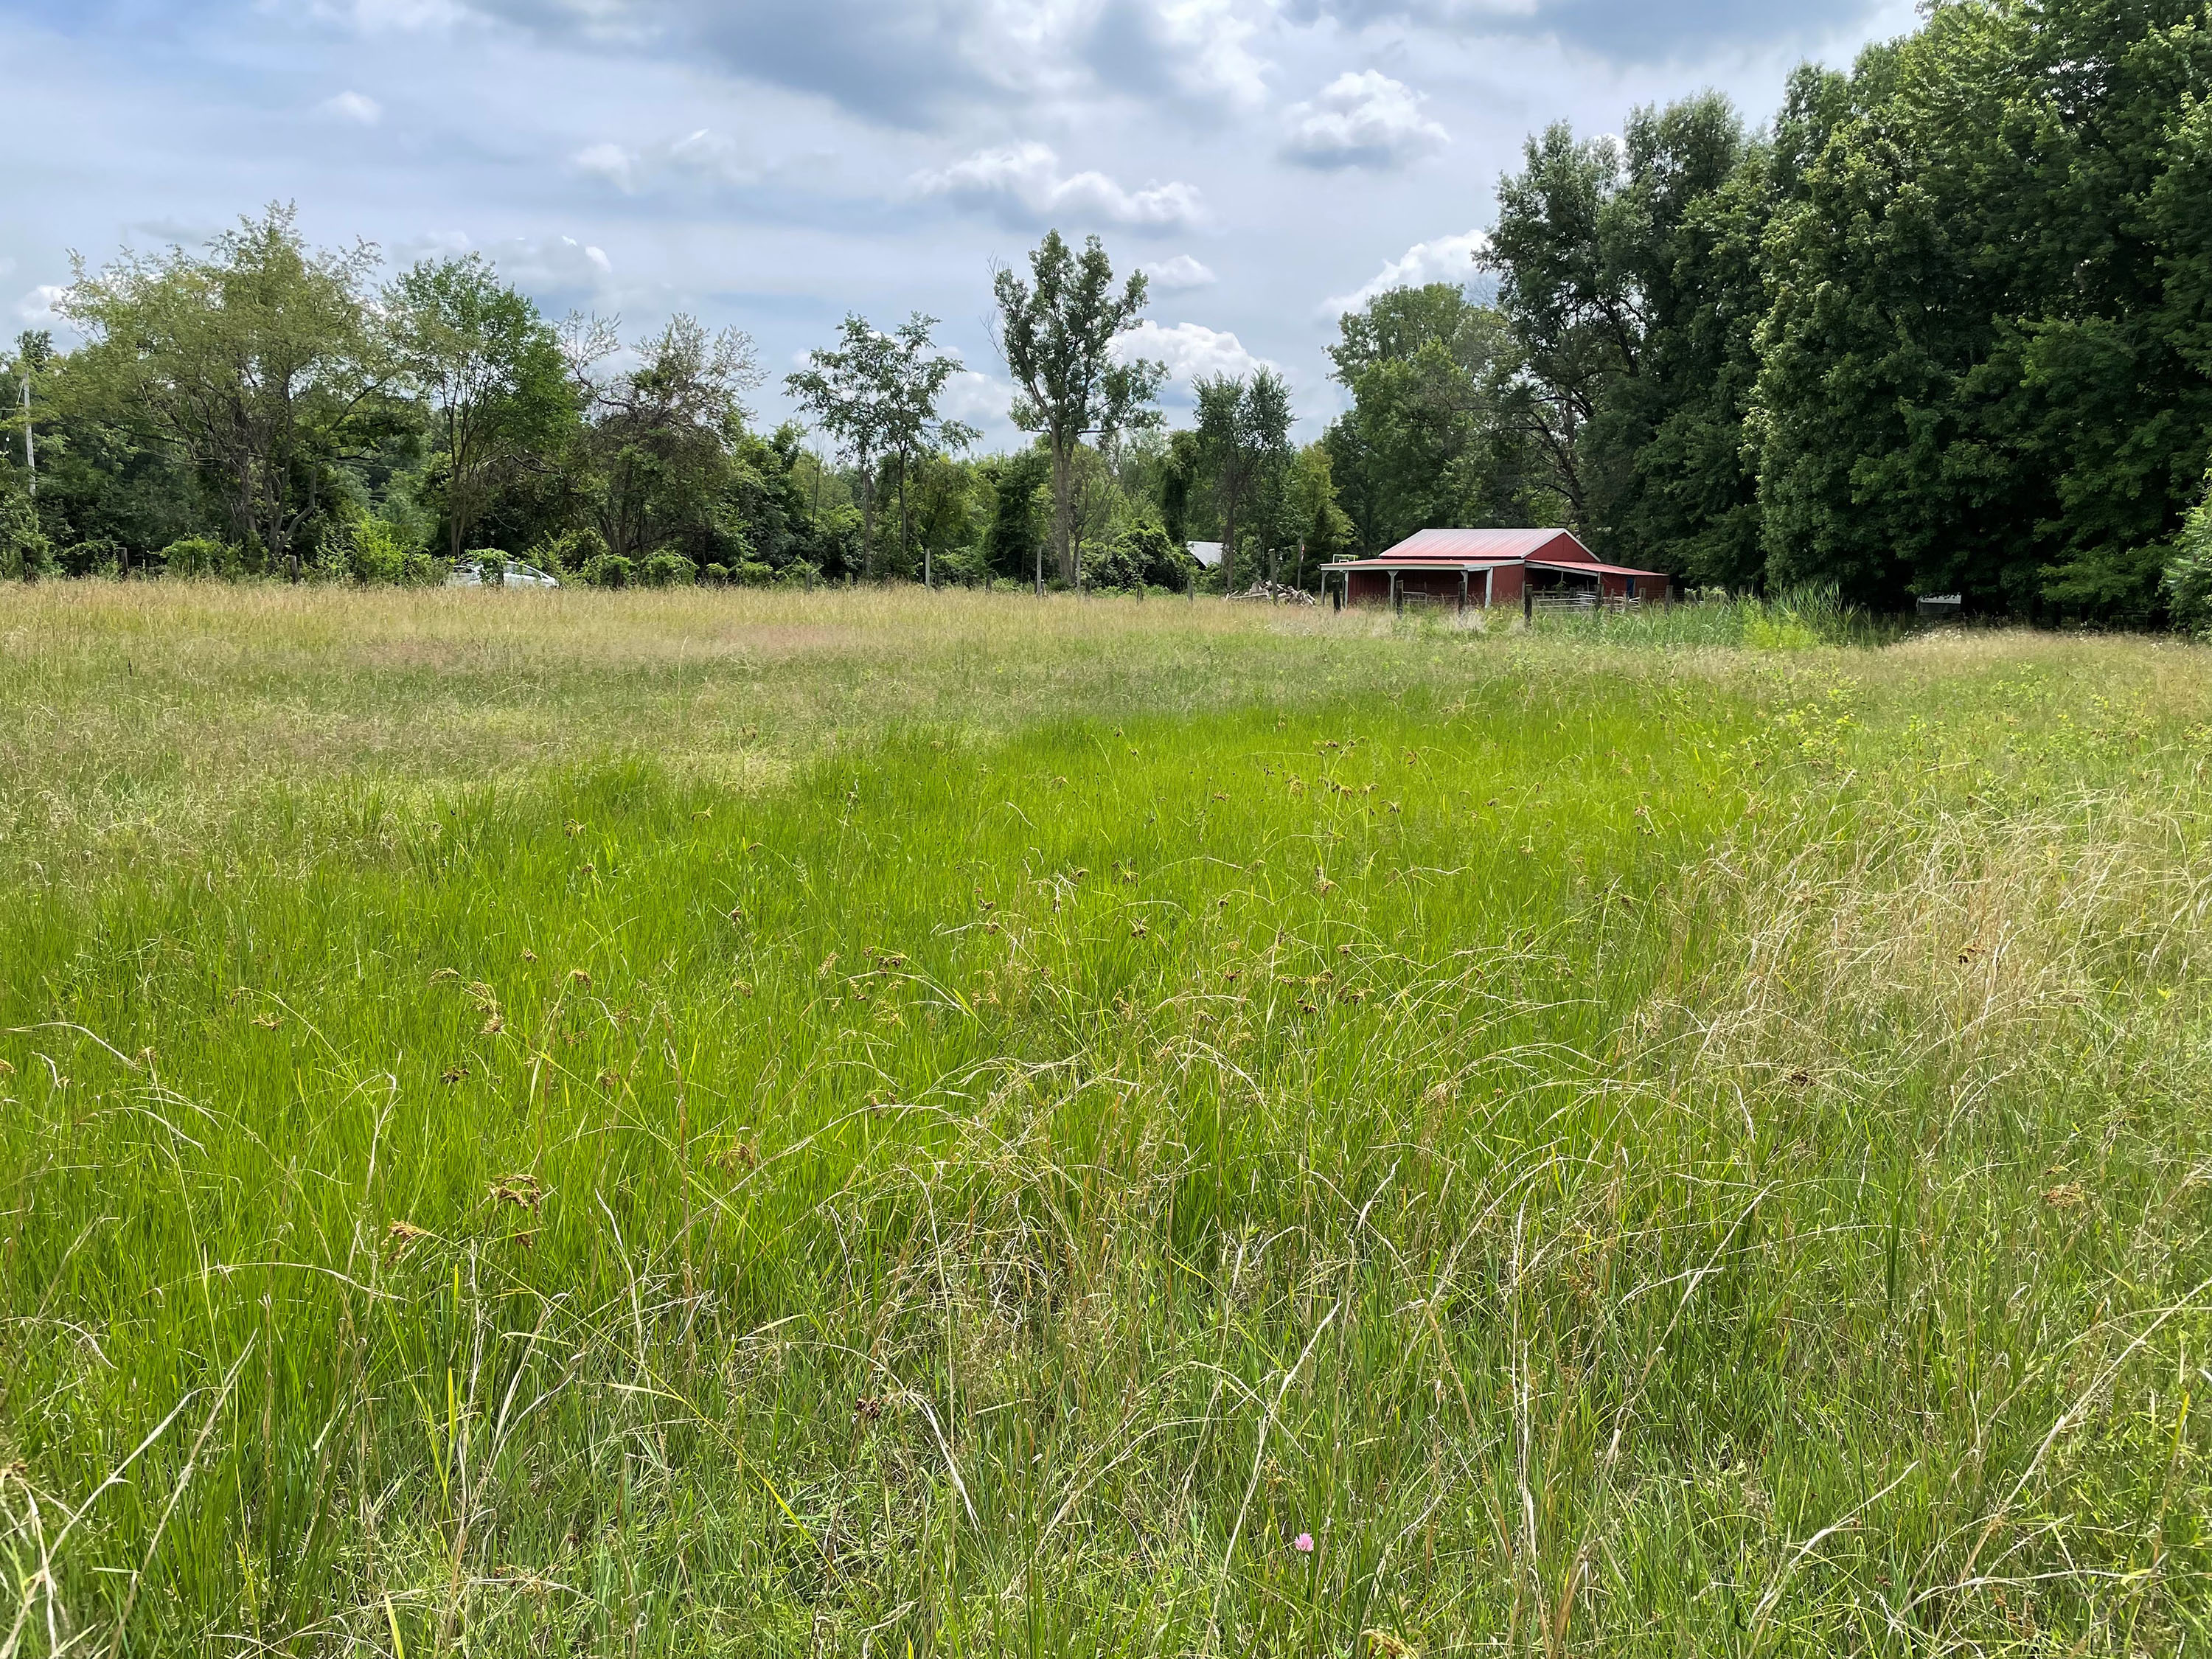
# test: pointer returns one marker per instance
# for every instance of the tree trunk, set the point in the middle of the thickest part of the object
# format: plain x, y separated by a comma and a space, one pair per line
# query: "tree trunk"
1063, 512
906, 526
867, 519
1229, 548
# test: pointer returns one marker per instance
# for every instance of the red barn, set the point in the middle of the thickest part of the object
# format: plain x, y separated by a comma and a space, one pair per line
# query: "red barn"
1522, 568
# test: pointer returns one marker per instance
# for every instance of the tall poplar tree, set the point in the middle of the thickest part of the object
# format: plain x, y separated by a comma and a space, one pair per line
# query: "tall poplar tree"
1056, 331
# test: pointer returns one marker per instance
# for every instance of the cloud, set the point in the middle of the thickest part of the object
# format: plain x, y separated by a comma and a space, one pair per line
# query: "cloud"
1025, 180
908, 63
1198, 50
703, 157
612, 162
1621, 31
430, 244
1180, 272
356, 107
1446, 260
1189, 350
563, 267
1362, 120
373, 16
713, 156
37, 306
976, 398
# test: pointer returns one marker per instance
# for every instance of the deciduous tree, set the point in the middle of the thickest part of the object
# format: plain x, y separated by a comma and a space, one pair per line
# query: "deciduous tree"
490, 373
256, 360
1057, 331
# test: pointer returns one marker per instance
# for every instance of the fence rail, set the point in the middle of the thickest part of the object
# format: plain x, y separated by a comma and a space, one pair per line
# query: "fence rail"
1575, 602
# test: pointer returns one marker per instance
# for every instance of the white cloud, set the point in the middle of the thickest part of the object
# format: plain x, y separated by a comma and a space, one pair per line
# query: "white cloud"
713, 155
37, 306
356, 107
703, 157
430, 244
1362, 120
1189, 350
612, 162
976, 398
1027, 177
1180, 272
1447, 260
563, 265
373, 16
1205, 46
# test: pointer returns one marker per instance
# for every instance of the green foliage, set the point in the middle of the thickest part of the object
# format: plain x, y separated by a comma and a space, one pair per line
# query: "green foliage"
667, 568
202, 557
2188, 576
567, 550
655, 455
1631, 278
606, 570
369, 552
490, 373
1057, 331
25, 551
1140, 556
878, 393
1431, 437
1985, 366
1020, 512
96, 556
1244, 444
256, 360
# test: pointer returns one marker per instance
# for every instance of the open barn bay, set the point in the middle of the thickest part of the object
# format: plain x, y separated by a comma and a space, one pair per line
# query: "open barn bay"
699, 1123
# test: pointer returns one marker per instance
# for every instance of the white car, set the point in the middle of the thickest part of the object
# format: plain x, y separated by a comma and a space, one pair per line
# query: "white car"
510, 572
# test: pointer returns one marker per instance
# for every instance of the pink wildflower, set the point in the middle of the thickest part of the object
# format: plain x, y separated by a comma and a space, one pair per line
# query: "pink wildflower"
1303, 1543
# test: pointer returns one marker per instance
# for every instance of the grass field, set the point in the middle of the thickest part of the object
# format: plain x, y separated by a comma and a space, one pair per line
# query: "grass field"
864, 1124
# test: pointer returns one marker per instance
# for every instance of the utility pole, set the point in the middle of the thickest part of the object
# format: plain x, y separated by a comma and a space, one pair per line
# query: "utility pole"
30, 450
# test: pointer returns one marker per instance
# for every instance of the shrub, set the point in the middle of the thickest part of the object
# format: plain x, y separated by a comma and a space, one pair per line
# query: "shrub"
201, 557
421, 569
668, 569
716, 576
755, 572
369, 552
606, 570
96, 556
568, 553
26, 555
2188, 580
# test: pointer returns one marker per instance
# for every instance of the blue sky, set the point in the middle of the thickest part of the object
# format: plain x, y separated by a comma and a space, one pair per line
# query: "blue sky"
775, 163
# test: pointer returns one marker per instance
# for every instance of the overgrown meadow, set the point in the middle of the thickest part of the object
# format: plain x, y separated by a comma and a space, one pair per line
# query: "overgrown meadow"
871, 1123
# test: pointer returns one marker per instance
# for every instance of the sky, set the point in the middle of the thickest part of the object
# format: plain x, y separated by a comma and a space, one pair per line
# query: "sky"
772, 165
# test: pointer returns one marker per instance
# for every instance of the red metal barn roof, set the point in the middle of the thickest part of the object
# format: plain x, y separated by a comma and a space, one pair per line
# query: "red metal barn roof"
1580, 566
1458, 546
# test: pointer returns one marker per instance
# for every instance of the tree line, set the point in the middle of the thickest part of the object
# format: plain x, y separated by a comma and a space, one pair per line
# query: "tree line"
264, 408
1942, 324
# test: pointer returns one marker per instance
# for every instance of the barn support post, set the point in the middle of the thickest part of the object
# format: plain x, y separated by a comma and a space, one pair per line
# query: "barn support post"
1488, 572
1462, 591
1397, 595
1343, 584
1527, 597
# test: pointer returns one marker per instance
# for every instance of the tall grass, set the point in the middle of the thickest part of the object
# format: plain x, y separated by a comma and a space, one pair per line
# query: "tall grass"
1628, 1151
1797, 619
